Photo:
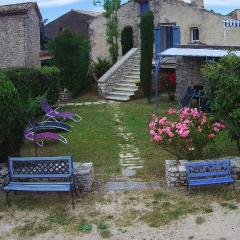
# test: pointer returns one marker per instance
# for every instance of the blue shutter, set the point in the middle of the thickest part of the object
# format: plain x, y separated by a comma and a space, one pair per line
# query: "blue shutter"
157, 38
176, 36
144, 7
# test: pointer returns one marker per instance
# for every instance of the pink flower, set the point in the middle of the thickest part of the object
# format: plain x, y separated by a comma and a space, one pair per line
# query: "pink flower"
157, 138
162, 121
222, 126
170, 134
215, 129
211, 136
172, 111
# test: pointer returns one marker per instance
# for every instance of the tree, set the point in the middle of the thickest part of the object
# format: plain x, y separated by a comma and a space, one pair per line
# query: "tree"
147, 39
43, 37
111, 8
126, 39
71, 55
222, 88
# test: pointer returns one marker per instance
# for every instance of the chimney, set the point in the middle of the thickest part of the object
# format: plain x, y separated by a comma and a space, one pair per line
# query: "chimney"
198, 3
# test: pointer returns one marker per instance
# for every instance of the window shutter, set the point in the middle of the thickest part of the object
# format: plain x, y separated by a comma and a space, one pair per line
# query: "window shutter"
144, 7
176, 36
157, 39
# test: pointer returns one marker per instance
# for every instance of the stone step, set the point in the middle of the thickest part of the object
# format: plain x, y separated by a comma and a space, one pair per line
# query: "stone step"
126, 85
117, 98
128, 89
130, 77
120, 93
130, 81
123, 91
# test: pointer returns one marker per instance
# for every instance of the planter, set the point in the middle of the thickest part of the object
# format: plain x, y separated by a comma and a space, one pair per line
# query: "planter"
176, 171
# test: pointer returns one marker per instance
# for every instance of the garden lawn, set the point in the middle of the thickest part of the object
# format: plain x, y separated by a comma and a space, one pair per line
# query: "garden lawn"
95, 139
92, 140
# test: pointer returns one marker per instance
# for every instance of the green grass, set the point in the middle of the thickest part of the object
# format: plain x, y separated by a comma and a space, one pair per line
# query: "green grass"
95, 139
92, 140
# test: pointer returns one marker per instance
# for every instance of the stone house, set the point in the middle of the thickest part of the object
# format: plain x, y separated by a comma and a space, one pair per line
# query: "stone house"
176, 22
75, 20
20, 35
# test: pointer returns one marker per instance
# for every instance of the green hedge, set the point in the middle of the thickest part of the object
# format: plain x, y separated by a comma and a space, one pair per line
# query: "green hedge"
126, 39
12, 118
35, 82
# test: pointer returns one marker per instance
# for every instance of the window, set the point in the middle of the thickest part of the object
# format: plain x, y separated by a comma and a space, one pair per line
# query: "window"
144, 7
194, 35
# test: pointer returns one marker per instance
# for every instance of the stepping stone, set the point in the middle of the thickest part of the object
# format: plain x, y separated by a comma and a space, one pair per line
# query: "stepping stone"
130, 186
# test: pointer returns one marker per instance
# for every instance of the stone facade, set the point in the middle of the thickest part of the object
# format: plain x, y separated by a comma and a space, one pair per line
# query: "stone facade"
117, 72
188, 74
83, 173
185, 15
176, 171
20, 35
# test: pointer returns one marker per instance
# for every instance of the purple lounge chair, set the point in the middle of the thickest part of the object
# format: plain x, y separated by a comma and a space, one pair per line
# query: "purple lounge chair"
54, 114
39, 137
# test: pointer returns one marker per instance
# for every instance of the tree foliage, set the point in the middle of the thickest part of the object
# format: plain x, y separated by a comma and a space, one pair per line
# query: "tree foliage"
12, 118
222, 88
111, 8
147, 39
126, 39
71, 55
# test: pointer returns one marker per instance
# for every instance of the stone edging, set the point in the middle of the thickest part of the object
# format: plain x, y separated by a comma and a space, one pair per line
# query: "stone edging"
176, 171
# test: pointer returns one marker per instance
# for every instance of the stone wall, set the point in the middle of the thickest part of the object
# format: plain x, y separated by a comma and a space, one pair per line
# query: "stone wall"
116, 73
210, 24
128, 16
20, 40
12, 41
32, 39
188, 74
83, 173
176, 171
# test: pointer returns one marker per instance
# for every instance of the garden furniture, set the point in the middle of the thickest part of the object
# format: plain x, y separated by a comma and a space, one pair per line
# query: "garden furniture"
209, 173
38, 138
49, 126
54, 114
29, 174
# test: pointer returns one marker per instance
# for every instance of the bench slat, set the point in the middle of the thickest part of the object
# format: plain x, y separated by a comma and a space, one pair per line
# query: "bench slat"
38, 187
210, 181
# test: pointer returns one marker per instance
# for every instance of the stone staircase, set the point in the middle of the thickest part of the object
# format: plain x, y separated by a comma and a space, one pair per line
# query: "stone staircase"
126, 79
127, 87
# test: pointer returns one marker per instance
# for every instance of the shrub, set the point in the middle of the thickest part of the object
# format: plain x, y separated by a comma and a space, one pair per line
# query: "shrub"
126, 39
169, 84
100, 67
186, 133
222, 87
33, 83
147, 38
12, 120
71, 55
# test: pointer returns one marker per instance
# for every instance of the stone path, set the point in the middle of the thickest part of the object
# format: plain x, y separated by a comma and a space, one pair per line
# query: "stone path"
129, 155
84, 103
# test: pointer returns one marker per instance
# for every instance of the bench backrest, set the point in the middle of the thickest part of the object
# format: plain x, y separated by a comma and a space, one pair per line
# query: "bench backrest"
40, 167
208, 169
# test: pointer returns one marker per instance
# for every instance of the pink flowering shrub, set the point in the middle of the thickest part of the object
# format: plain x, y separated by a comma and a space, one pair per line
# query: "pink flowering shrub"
184, 133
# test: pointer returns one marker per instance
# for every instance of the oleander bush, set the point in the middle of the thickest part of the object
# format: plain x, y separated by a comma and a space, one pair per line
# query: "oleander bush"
185, 133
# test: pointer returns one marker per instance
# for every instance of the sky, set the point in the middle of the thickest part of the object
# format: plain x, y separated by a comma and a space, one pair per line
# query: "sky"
52, 9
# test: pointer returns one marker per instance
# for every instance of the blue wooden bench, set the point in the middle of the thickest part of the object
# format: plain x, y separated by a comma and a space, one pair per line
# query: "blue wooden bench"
41, 174
209, 173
